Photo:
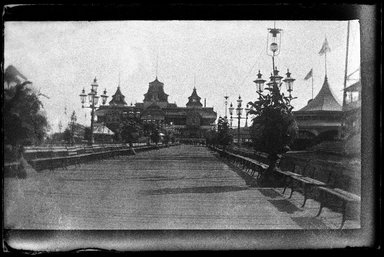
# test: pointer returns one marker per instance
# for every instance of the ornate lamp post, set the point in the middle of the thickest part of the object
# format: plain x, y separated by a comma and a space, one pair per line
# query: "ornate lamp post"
273, 107
93, 100
231, 113
226, 104
239, 111
246, 115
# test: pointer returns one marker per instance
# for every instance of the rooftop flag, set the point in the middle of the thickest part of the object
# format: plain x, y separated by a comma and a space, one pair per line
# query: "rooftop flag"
325, 48
309, 75
323, 51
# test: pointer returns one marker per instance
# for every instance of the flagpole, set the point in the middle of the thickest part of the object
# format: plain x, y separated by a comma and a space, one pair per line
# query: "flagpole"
312, 84
346, 65
325, 63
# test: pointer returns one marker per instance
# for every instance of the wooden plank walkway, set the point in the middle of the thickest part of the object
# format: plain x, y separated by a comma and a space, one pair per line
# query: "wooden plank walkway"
181, 187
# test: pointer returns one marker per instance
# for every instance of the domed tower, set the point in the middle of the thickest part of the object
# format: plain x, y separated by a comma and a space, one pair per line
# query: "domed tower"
156, 94
118, 98
194, 100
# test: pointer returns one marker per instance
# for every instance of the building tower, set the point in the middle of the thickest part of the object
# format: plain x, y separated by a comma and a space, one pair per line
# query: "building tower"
194, 100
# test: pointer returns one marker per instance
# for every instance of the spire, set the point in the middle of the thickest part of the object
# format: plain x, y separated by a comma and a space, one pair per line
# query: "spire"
324, 101
157, 62
119, 80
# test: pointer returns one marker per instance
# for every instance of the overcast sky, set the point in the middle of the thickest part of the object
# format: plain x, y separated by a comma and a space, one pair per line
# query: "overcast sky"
217, 57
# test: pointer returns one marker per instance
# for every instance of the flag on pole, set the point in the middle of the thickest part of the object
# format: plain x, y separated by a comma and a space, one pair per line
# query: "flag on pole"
309, 75
325, 48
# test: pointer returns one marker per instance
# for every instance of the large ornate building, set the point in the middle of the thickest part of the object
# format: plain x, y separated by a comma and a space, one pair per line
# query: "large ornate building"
191, 121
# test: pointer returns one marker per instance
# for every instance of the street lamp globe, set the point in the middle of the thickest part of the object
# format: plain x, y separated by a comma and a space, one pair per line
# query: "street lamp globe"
259, 83
83, 97
274, 47
95, 99
104, 97
239, 111
239, 101
289, 81
90, 96
276, 77
231, 109
94, 85
274, 36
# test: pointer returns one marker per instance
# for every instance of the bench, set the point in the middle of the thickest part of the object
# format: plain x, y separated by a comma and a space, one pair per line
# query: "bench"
338, 190
321, 178
342, 195
249, 165
302, 177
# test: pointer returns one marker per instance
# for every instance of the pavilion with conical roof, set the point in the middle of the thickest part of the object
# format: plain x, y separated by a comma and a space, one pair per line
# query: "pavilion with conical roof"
320, 120
324, 101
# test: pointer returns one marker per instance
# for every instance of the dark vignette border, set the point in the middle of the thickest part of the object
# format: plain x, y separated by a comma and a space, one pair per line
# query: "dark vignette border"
133, 240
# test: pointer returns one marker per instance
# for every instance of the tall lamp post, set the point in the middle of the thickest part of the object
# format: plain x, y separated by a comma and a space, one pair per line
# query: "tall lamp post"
93, 100
272, 103
239, 111
231, 108
246, 115
226, 104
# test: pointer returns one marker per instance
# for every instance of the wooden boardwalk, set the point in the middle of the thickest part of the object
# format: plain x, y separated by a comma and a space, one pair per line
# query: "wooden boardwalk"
181, 187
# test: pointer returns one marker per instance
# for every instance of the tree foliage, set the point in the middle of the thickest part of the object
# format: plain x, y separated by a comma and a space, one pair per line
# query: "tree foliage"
130, 130
155, 135
25, 122
87, 133
274, 127
224, 137
68, 136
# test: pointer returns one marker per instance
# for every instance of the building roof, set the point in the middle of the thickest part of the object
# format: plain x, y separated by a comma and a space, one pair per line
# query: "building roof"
99, 128
324, 101
194, 99
118, 98
156, 92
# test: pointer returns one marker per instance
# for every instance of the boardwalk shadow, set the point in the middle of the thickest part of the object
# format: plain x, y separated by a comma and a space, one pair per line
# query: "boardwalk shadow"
195, 190
284, 206
157, 178
269, 192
